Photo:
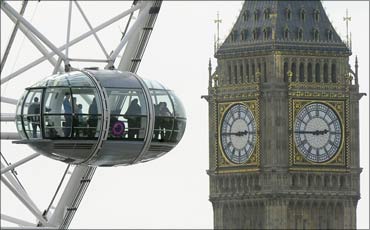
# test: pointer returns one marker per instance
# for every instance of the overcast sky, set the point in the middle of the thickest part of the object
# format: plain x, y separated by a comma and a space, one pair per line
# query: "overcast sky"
170, 192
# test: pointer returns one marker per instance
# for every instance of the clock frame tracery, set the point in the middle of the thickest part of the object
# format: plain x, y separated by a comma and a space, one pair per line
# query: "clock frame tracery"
340, 159
224, 163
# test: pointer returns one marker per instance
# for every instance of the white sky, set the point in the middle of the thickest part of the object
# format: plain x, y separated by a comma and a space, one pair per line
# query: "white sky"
170, 192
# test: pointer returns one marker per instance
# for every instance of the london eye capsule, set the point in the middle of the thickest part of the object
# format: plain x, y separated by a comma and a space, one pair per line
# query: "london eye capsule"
100, 118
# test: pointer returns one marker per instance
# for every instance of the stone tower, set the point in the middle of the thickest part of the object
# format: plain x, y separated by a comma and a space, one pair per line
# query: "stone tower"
284, 122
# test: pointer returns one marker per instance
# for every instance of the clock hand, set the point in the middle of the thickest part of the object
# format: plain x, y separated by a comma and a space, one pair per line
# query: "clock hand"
315, 133
240, 133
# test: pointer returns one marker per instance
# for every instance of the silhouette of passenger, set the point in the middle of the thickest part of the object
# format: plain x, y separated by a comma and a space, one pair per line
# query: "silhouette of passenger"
165, 121
133, 119
34, 116
67, 106
93, 118
77, 118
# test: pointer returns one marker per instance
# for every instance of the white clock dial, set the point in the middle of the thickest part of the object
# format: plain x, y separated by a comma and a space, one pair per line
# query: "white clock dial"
238, 133
317, 132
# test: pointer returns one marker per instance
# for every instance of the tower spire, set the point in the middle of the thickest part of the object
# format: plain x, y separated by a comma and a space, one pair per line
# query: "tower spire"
218, 21
347, 19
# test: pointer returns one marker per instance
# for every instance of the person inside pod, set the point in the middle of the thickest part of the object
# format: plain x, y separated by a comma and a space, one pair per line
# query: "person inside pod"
133, 121
34, 111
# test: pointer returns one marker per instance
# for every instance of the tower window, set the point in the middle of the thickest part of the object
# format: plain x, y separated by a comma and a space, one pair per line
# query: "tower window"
326, 76
286, 33
255, 34
265, 33
333, 73
241, 73
267, 14
302, 15
301, 72
316, 35
288, 14
317, 73
309, 72
286, 71
256, 15
294, 72
330, 35
244, 35
234, 35
316, 14
300, 34
229, 73
245, 15
235, 74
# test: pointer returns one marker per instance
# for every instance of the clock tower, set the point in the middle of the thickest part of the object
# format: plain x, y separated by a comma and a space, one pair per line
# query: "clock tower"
284, 122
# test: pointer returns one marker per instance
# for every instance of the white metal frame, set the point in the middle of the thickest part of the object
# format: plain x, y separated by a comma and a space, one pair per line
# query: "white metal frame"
134, 40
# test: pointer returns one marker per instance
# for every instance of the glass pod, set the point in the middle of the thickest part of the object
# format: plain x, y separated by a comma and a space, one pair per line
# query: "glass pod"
100, 118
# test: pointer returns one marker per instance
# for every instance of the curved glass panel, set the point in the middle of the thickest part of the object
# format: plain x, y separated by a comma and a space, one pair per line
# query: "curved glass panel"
57, 80
79, 79
18, 117
164, 121
178, 106
32, 114
117, 79
41, 83
152, 84
71, 112
128, 110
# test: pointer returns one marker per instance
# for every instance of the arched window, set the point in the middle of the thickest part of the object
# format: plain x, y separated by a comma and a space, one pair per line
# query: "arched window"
241, 73
253, 72
288, 14
247, 71
286, 71
255, 34
294, 71
302, 15
256, 15
265, 33
235, 74
309, 72
244, 35
317, 72
301, 72
229, 73
326, 73
330, 35
333, 73
264, 71
316, 35
245, 15
286, 33
300, 34
316, 14
266, 14
234, 35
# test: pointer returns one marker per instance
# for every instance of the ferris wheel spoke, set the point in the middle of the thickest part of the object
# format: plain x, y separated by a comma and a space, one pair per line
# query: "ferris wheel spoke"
91, 29
68, 29
12, 37
35, 41
17, 221
18, 163
11, 12
73, 42
24, 198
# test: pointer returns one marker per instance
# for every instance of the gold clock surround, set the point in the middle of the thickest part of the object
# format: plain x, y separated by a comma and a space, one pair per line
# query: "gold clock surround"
340, 160
224, 165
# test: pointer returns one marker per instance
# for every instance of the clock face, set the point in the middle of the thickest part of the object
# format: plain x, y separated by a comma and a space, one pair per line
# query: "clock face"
317, 132
238, 133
